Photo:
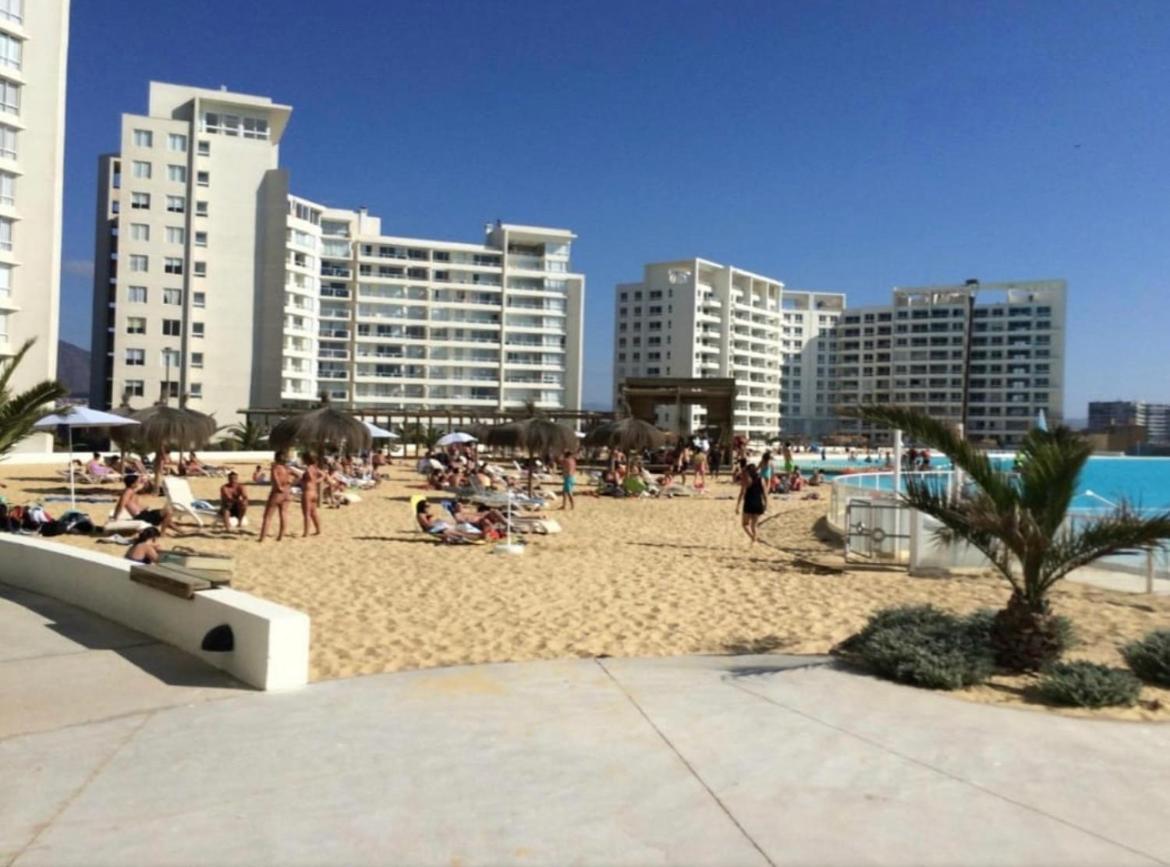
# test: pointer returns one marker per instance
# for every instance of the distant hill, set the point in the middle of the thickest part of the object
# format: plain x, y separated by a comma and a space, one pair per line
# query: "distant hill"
73, 364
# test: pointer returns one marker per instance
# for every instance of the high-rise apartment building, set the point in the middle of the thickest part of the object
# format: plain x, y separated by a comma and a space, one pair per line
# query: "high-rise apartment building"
216, 282
1154, 418
34, 42
807, 346
988, 355
697, 318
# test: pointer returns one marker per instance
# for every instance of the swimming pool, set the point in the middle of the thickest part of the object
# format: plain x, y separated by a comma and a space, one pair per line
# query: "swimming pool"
1144, 482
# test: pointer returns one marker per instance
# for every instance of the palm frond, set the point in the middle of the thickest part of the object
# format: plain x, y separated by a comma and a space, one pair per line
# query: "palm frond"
1123, 529
1049, 464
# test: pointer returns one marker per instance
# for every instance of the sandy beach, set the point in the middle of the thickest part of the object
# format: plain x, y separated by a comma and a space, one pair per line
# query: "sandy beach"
625, 578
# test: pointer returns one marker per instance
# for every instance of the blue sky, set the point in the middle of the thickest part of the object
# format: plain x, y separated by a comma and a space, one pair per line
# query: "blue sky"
837, 146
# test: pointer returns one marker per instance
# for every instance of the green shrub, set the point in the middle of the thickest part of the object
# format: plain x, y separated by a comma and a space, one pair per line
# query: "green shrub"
923, 646
1150, 657
1087, 684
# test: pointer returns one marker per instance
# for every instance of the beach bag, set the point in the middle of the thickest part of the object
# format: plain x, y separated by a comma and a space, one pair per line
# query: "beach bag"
51, 528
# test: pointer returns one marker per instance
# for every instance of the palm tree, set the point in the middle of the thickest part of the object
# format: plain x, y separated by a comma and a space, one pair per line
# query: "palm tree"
1020, 523
20, 411
247, 437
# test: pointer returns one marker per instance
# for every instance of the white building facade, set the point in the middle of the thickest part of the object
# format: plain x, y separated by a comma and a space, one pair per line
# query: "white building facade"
201, 243
34, 42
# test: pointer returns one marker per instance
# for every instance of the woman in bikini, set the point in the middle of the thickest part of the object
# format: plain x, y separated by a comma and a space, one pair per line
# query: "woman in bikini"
279, 496
309, 482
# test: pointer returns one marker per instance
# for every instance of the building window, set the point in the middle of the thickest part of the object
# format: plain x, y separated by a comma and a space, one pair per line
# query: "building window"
178, 174
136, 325
10, 50
139, 232
233, 125
140, 201
137, 294
172, 265
139, 264
173, 296
135, 388
203, 178
199, 269
172, 327
135, 357
199, 299
196, 329
6, 229
201, 209
5, 281
176, 235
140, 169
171, 358
204, 149
7, 142
177, 142
176, 204
197, 359
196, 389
143, 138
9, 96
12, 10
200, 239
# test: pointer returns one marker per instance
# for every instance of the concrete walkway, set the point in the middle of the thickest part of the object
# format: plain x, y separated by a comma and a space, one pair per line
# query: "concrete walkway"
696, 760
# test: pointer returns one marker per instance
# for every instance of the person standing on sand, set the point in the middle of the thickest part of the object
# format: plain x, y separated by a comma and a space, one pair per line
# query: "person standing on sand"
279, 496
700, 470
569, 470
753, 495
310, 480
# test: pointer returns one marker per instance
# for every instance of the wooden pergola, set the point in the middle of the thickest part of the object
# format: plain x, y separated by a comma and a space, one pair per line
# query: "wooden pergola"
643, 394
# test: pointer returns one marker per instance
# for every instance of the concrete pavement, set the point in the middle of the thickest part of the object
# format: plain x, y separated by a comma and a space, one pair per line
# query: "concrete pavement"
751, 760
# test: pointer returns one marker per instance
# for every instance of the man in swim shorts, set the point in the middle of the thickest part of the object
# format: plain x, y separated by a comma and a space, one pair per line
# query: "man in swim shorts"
569, 471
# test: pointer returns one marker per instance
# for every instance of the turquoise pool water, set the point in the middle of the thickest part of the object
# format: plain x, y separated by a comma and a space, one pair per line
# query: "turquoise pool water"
1145, 482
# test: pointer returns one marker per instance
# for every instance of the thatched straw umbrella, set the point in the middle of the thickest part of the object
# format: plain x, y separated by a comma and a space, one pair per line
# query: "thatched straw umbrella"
162, 427
631, 435
537, 436
319, 428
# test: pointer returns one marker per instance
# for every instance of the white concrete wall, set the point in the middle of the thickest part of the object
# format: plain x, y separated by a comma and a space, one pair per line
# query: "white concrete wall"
271, 641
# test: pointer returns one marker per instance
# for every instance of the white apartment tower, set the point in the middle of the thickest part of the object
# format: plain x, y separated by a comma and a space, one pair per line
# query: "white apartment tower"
807, 345
34, 41
216, 282
697, 318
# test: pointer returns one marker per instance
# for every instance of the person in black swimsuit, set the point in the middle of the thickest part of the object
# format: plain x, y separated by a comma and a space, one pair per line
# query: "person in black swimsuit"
753, 496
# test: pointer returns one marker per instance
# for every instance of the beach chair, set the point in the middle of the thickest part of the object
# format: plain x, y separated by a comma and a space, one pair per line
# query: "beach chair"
434, 537
183, 502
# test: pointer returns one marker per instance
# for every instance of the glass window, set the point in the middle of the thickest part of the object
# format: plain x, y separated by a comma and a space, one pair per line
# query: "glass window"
173, 296
143, 138
136, 325
136, 357
204, 149
139, 263
10, 50
199, 269
140, 168
7, 142
7, 188
196, 359
9, 96
12, 10
171, 358
200, 239
6, 226
196, 329
5, 280
172, 265
137, 294
178, 174
203, 178
199, 299
176, 235
172, 327
177, 142
176, 204
196, 389
135, 388
201, 209
140, 201
139, 232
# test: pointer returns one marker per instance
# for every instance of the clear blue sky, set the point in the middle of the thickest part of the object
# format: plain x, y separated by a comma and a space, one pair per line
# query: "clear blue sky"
837, 146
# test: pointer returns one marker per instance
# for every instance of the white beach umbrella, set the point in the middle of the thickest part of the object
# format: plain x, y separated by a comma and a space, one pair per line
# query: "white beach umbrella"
455, 438
380, 433
83, 417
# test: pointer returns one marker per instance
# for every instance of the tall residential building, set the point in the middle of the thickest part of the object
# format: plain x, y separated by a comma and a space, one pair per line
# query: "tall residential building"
1154, 418
216, 282
990, 355
34, 42
808, 347
697, 318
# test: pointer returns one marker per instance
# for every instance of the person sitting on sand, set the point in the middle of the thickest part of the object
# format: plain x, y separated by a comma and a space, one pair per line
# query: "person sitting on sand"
259, 477
130, 506
816, 479
796, 481
144, 549
233, 501
436, 527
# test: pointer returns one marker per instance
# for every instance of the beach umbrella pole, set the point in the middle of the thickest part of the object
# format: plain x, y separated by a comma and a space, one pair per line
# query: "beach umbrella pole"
72, 480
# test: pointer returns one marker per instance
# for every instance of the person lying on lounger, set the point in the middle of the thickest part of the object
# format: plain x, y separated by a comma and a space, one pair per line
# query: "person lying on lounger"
480, 522
436, 527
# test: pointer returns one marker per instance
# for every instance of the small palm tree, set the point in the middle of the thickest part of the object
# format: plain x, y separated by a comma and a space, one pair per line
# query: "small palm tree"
247, 437
19, 412
1020, 523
